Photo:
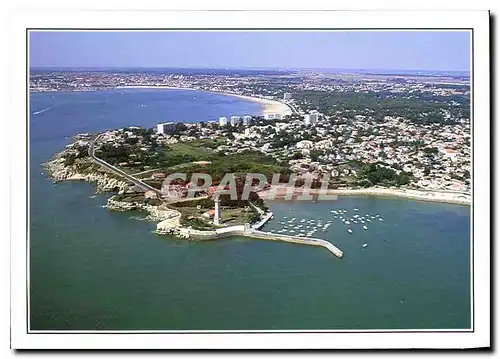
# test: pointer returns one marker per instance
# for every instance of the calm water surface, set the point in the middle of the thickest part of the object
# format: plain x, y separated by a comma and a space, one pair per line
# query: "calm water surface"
95, 269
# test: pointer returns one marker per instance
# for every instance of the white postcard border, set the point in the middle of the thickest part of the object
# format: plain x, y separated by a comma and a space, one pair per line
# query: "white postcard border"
476, 20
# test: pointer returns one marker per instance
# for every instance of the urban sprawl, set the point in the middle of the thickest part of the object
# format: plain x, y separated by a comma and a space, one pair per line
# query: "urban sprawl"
362, 129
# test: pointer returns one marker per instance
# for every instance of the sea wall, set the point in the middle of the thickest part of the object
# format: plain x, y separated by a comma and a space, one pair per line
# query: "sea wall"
244, 231
195, 234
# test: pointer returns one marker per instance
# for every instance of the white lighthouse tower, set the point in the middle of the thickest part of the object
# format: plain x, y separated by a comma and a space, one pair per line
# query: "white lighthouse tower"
217, 209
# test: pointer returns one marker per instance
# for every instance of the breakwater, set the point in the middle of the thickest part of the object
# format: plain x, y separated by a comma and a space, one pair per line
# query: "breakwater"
299, 240
246, 231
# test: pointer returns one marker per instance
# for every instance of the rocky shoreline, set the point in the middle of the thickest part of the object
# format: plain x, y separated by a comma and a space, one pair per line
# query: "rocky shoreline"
104, 182
155, 213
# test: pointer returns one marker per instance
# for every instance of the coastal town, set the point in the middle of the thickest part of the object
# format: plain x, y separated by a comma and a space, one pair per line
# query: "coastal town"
356, 146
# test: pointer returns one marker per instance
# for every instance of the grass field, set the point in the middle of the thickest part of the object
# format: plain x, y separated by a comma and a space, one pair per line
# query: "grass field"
199, 149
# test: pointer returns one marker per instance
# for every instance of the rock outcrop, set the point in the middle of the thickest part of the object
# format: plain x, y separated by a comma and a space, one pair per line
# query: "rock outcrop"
104, 182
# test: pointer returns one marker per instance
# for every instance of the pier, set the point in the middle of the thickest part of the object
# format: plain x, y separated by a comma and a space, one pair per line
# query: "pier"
263, 221
295, 239
247, 231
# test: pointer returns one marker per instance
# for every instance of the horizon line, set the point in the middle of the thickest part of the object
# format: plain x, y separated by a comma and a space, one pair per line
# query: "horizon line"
243, 68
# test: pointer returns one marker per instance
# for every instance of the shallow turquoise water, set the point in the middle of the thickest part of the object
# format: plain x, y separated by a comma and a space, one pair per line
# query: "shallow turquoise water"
95, 269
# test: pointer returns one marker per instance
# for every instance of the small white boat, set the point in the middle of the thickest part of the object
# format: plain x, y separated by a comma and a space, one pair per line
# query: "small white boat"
349, 230
368, 219
355, 209
347, 222
380, 219
365, 245
354, 222
365, 227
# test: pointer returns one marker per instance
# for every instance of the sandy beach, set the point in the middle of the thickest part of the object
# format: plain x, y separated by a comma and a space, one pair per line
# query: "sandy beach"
431, 196
270, 106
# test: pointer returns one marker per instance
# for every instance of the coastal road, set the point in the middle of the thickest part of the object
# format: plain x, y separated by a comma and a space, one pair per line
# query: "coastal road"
292, 107
118, 171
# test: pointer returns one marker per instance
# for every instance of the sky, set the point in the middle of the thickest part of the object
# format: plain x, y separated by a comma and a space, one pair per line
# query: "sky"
385, 50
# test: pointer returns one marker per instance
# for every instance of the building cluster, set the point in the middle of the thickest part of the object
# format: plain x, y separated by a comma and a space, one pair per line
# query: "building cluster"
235, 120
437, 156
246, 120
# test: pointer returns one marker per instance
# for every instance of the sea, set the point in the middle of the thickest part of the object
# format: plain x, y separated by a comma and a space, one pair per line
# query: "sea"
93, 269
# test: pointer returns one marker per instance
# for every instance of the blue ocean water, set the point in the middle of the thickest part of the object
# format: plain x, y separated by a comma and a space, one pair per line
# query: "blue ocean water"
95, 269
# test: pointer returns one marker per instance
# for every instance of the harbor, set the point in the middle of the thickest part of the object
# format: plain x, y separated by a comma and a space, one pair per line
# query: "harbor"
245, 231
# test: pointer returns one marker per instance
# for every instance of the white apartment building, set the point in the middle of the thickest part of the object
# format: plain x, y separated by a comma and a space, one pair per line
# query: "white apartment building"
166, 127
222, 121
235, 120
272, 116
247, 120
310, 118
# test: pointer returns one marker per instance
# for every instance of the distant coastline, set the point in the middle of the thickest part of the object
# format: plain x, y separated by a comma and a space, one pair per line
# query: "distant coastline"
270, 106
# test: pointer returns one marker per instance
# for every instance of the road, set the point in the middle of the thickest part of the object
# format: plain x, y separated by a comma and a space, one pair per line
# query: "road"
292, 107
118, 171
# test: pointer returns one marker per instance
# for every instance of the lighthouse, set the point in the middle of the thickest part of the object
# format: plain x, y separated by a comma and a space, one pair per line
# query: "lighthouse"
217, 209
